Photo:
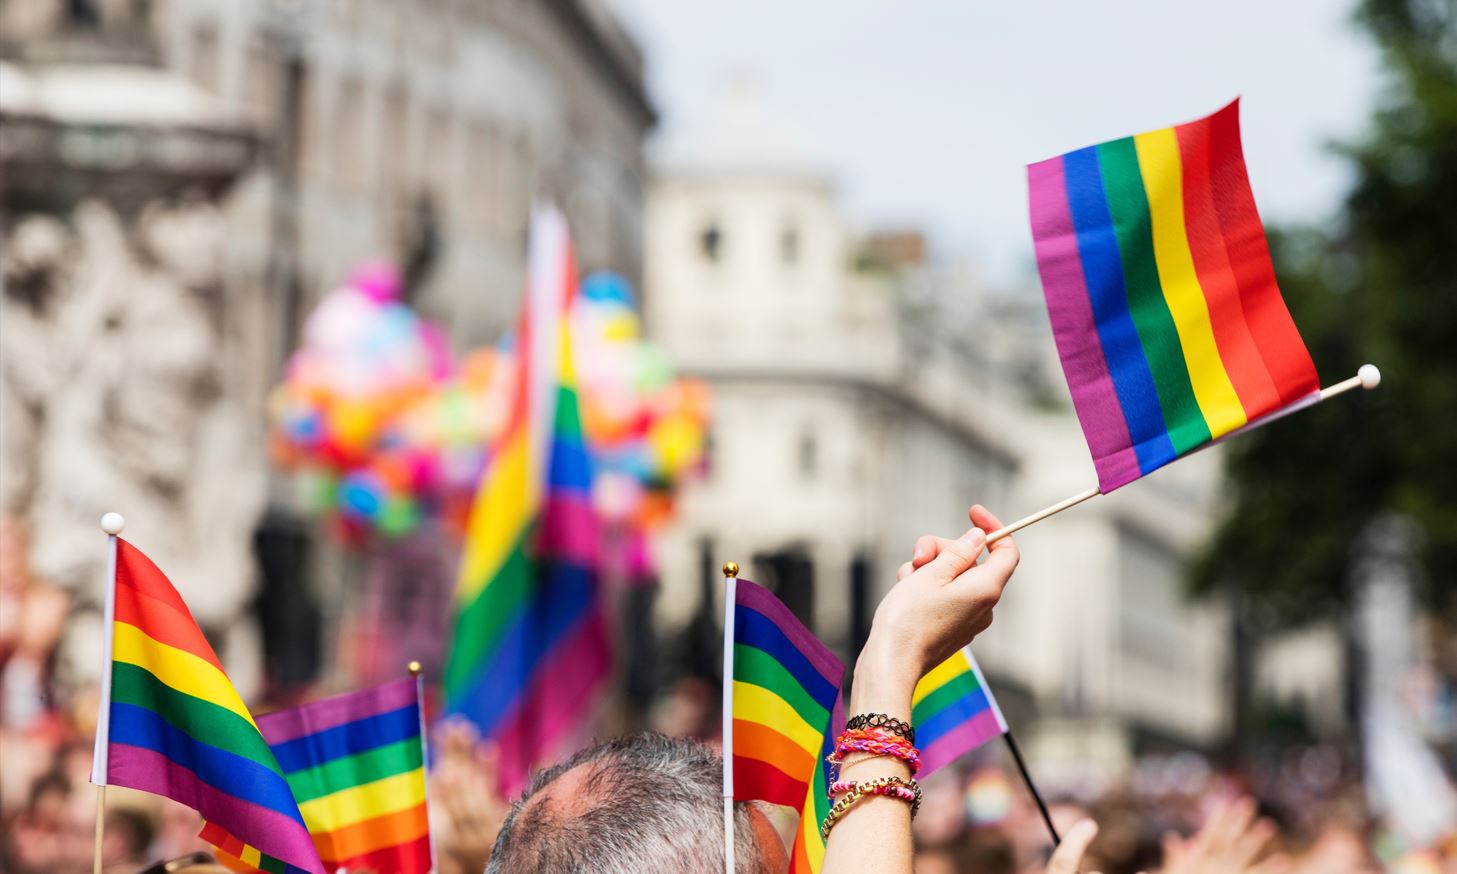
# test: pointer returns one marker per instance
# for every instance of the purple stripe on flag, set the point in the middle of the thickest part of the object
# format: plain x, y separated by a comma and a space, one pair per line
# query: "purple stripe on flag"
759, 598
1071, 312
569, 528
556, 701
316, 716
959, 741
268, 830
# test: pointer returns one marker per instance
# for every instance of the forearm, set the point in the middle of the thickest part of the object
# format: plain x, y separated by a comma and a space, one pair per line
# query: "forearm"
875, 835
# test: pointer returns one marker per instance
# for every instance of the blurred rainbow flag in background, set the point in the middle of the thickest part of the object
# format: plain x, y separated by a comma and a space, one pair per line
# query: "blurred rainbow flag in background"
530, 649
954, 712
356, 764
1162, 296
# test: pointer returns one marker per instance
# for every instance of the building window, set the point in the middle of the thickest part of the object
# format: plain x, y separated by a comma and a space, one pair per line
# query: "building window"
808, 455
789, 245
710, 243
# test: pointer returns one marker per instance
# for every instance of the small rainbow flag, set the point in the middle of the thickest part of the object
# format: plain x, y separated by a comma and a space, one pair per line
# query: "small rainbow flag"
784, 684
172, 724
356, 764
954, 712
530, 649
1162, 296
808, 853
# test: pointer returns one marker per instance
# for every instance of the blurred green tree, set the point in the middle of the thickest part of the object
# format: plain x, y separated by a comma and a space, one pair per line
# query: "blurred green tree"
1381, 287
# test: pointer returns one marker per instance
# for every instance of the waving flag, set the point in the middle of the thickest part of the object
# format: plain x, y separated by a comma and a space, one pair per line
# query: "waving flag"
172, 724
783, 684
356, 764
530, 649
1162, 296
954, 712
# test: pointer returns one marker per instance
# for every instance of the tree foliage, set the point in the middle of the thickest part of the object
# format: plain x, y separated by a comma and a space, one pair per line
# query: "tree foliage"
1380, 287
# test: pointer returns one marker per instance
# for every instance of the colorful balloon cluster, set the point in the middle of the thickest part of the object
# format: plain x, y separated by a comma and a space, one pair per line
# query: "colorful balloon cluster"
388, 431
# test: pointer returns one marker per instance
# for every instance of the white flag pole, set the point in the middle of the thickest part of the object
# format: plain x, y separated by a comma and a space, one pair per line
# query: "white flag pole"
112, 524
730, 587
417, 671
1367, 377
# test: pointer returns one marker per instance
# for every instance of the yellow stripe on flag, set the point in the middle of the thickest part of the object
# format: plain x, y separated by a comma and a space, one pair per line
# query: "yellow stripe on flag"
177, 668
358, 803
503, 508
1163, 183
940, 676
757, 704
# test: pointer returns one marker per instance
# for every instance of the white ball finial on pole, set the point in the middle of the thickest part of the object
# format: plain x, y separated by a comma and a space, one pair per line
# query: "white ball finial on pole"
112, 523
1370, 376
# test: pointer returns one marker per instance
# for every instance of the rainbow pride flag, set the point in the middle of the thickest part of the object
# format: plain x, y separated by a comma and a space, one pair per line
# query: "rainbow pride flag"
1162, 296
783, 688
172, 724
808, 854
954, 712
356, 764
530, 649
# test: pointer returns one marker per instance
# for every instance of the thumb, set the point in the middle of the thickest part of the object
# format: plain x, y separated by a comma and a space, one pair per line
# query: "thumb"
958, 556
1069, 855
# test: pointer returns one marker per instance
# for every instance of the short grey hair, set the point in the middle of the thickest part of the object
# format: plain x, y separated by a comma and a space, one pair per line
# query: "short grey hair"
643, 803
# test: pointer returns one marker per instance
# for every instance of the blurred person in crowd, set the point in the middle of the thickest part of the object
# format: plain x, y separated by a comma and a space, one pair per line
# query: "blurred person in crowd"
128, 840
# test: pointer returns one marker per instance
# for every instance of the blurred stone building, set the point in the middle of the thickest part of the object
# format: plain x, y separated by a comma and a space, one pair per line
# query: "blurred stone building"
861, 399
417, 130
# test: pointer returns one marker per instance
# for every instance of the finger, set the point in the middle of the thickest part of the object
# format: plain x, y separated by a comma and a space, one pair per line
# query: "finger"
926, 549
923, 559
1069, 855
957, 556
1249, 845
1229, 824
904, 571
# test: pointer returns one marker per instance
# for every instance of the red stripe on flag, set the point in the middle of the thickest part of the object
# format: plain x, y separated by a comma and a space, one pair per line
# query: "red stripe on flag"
410, 858
1274, 331
760, 781
136, 572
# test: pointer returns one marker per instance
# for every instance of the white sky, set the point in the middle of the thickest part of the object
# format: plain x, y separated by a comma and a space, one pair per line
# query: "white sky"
926, 113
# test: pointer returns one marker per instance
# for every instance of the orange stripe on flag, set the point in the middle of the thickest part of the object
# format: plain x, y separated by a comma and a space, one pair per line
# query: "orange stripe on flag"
365, 837
756, 741
163, 623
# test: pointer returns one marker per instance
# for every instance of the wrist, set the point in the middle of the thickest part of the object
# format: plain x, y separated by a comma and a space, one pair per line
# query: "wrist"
883, 682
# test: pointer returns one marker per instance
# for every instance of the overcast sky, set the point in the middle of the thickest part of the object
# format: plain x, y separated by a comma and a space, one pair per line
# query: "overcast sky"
926, 113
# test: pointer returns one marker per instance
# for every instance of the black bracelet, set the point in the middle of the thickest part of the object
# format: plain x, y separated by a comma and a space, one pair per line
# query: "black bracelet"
882, 721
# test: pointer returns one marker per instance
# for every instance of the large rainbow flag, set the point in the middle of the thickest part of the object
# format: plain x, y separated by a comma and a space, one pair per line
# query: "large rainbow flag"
356, 764
172, 724
782, 684
1162, 296
530, 648
954, 712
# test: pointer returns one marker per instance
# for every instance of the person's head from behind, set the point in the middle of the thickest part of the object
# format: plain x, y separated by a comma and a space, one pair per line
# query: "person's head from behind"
631, 804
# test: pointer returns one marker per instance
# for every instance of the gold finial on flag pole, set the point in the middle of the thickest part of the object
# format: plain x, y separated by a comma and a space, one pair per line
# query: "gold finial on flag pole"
414, 667
731, 569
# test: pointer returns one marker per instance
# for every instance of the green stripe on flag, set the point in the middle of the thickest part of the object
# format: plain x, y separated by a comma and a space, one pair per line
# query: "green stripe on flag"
758, 668
956, 688
1133, 226
356, 770
203, 721
478, 626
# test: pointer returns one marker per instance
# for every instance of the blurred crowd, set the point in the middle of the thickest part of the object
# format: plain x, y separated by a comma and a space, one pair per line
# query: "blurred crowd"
1310, 817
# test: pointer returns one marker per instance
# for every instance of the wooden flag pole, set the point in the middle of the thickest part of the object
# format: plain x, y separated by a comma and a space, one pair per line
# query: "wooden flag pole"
112, 524
416, 671
730, 587
1032, 787
1367, 377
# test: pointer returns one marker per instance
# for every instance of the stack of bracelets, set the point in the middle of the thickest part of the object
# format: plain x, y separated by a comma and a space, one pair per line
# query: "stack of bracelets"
878, 735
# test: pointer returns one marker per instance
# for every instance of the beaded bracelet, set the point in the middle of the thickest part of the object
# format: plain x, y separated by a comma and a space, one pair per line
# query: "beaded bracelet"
891, 787
876, 742
904, 790
884, 722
